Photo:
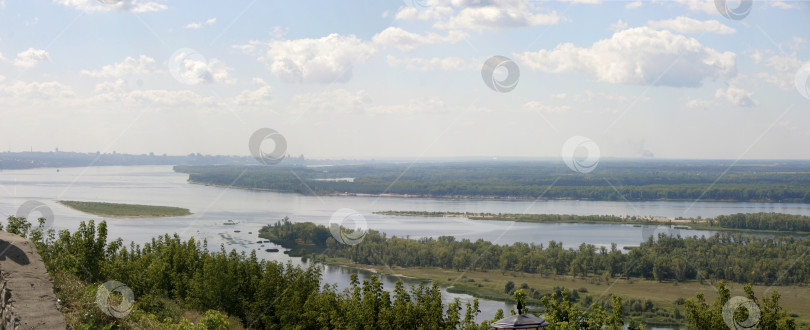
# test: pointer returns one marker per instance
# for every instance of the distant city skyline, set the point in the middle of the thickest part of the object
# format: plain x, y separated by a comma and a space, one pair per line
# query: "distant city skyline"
675, 79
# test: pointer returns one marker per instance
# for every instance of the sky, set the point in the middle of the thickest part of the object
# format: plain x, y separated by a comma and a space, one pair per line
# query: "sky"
415, 78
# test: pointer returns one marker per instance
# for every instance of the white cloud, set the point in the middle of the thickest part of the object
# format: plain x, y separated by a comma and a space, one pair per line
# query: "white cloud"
2, 78
196, 25
497, 15
684, 24
633, 5
255, 97
429, 64
782, 67
540, 107
482, 14
324, 60
560, 96
129, 66
706, 6
782, 5
408, 41
638, 56
2, 4
590, 2
111, 86
432, 12
737, 96
620, 25
192, 68
699, 104
36, 90
31, 57
94, 6
2, 59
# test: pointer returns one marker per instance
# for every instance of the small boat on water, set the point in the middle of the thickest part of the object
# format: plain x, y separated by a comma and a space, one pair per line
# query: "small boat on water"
231, 223
237, 231
271, 250
262, 245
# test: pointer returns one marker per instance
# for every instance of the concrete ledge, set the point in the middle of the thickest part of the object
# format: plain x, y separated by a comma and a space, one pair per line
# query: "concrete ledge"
27, 300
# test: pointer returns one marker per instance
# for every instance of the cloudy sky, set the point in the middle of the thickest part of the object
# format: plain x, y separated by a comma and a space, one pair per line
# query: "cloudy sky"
376, 79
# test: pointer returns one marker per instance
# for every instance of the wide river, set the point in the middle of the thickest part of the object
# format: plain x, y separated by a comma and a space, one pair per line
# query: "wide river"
212, 206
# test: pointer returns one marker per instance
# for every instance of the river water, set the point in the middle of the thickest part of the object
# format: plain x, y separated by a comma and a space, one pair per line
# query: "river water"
212, 206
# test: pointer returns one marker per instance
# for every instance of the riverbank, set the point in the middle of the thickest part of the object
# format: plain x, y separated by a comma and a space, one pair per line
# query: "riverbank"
673, 223
118, 210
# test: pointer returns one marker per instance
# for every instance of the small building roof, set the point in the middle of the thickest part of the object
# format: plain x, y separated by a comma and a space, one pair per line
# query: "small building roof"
520, 321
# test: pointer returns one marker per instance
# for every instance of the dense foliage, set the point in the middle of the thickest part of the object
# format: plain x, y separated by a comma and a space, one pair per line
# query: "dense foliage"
787, 181
704, 316
764, 221
262, 294
735, 257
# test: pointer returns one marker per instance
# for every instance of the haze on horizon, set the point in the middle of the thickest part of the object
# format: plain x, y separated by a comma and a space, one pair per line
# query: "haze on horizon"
392, 79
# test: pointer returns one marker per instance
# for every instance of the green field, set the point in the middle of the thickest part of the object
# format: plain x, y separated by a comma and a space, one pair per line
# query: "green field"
125, 210
490, 285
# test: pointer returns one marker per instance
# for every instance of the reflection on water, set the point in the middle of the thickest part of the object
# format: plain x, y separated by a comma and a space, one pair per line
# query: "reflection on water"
211, 206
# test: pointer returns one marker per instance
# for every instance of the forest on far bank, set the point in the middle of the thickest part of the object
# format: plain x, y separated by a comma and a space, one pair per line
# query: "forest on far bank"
749, 181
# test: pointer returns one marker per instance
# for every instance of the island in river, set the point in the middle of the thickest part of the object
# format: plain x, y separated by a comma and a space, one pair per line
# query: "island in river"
118, 210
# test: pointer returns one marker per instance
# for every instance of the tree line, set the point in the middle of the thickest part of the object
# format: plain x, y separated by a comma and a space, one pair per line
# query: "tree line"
724, 256
660, 181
